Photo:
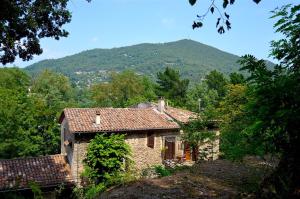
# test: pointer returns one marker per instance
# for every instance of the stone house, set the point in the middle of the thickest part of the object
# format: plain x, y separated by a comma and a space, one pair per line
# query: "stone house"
152, 131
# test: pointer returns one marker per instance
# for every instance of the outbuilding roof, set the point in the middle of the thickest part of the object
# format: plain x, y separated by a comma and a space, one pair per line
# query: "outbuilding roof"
180, 115
46, 171
116, 119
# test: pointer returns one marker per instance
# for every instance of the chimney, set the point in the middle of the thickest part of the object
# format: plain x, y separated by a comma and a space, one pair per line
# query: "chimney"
161, 105
97, 121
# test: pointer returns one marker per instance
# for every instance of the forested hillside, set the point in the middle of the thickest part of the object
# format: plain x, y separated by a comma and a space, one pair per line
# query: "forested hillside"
193, 59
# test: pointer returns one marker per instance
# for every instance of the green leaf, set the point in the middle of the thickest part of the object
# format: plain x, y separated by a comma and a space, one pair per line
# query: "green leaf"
192, 2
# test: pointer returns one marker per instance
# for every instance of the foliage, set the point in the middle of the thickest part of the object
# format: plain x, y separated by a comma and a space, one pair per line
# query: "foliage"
215, 80
162, 171
235, 142
223, 20
171, 86
198, 130
124, 89
28, 118
25, 22
105, 162
236, 78
36, 190
208, 98
52, 85
275, 105
192, 58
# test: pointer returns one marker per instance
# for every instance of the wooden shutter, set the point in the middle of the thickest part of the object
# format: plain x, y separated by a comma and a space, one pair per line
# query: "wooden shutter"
150, 139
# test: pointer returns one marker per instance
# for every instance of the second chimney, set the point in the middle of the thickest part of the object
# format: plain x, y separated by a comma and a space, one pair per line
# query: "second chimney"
161, 105
97, 121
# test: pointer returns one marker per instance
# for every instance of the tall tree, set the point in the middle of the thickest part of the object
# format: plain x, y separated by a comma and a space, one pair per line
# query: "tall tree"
28, 117
124, 89
235, 141
236, 78
54, 88
216, 80
200, 98
275, 107
24, 22
171, 86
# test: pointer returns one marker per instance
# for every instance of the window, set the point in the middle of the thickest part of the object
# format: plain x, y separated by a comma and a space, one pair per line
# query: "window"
150, 139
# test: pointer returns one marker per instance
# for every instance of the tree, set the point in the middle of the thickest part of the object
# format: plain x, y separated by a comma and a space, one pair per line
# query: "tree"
223, 19
171, 86
208, 98
14, 78
198, 132
216, 80
124, 89
50, 94
275, 107
236, 78
19, 129
55, 88
24, 22
28, 117
105, 160
235, 142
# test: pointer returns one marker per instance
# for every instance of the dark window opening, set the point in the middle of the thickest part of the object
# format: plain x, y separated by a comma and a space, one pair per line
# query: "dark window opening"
150, 139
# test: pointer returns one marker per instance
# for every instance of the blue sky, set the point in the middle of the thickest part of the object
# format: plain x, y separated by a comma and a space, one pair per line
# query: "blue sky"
115, 23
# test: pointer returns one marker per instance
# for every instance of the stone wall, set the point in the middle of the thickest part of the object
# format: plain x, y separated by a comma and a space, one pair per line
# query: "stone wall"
79, 153
66, 135
144, 156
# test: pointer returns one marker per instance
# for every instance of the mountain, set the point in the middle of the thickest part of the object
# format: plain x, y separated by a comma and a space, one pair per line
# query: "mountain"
193, 59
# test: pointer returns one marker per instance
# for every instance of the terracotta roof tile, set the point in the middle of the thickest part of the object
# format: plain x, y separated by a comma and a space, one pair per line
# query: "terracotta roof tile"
117, 119
46, 171
180, 115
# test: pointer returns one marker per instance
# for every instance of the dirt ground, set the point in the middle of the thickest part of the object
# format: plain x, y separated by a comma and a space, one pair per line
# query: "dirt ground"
215, 179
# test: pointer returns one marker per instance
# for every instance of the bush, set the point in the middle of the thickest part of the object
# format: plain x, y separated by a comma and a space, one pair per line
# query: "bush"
162, 171
106, 163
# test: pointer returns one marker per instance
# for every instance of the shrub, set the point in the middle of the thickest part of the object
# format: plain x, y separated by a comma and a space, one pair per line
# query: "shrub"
162, 171
105, 163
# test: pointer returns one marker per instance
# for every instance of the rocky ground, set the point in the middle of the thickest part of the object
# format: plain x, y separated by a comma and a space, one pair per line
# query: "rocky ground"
214, 179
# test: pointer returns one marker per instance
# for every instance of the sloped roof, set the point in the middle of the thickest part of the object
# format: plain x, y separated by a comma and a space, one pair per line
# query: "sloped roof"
180, 115
117, 119
46, 171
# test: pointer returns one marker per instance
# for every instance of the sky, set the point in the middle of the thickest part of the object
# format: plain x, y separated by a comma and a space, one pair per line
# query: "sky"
116, 23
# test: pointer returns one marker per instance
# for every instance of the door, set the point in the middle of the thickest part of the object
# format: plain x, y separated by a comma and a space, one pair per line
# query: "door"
170, 150
187, 151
